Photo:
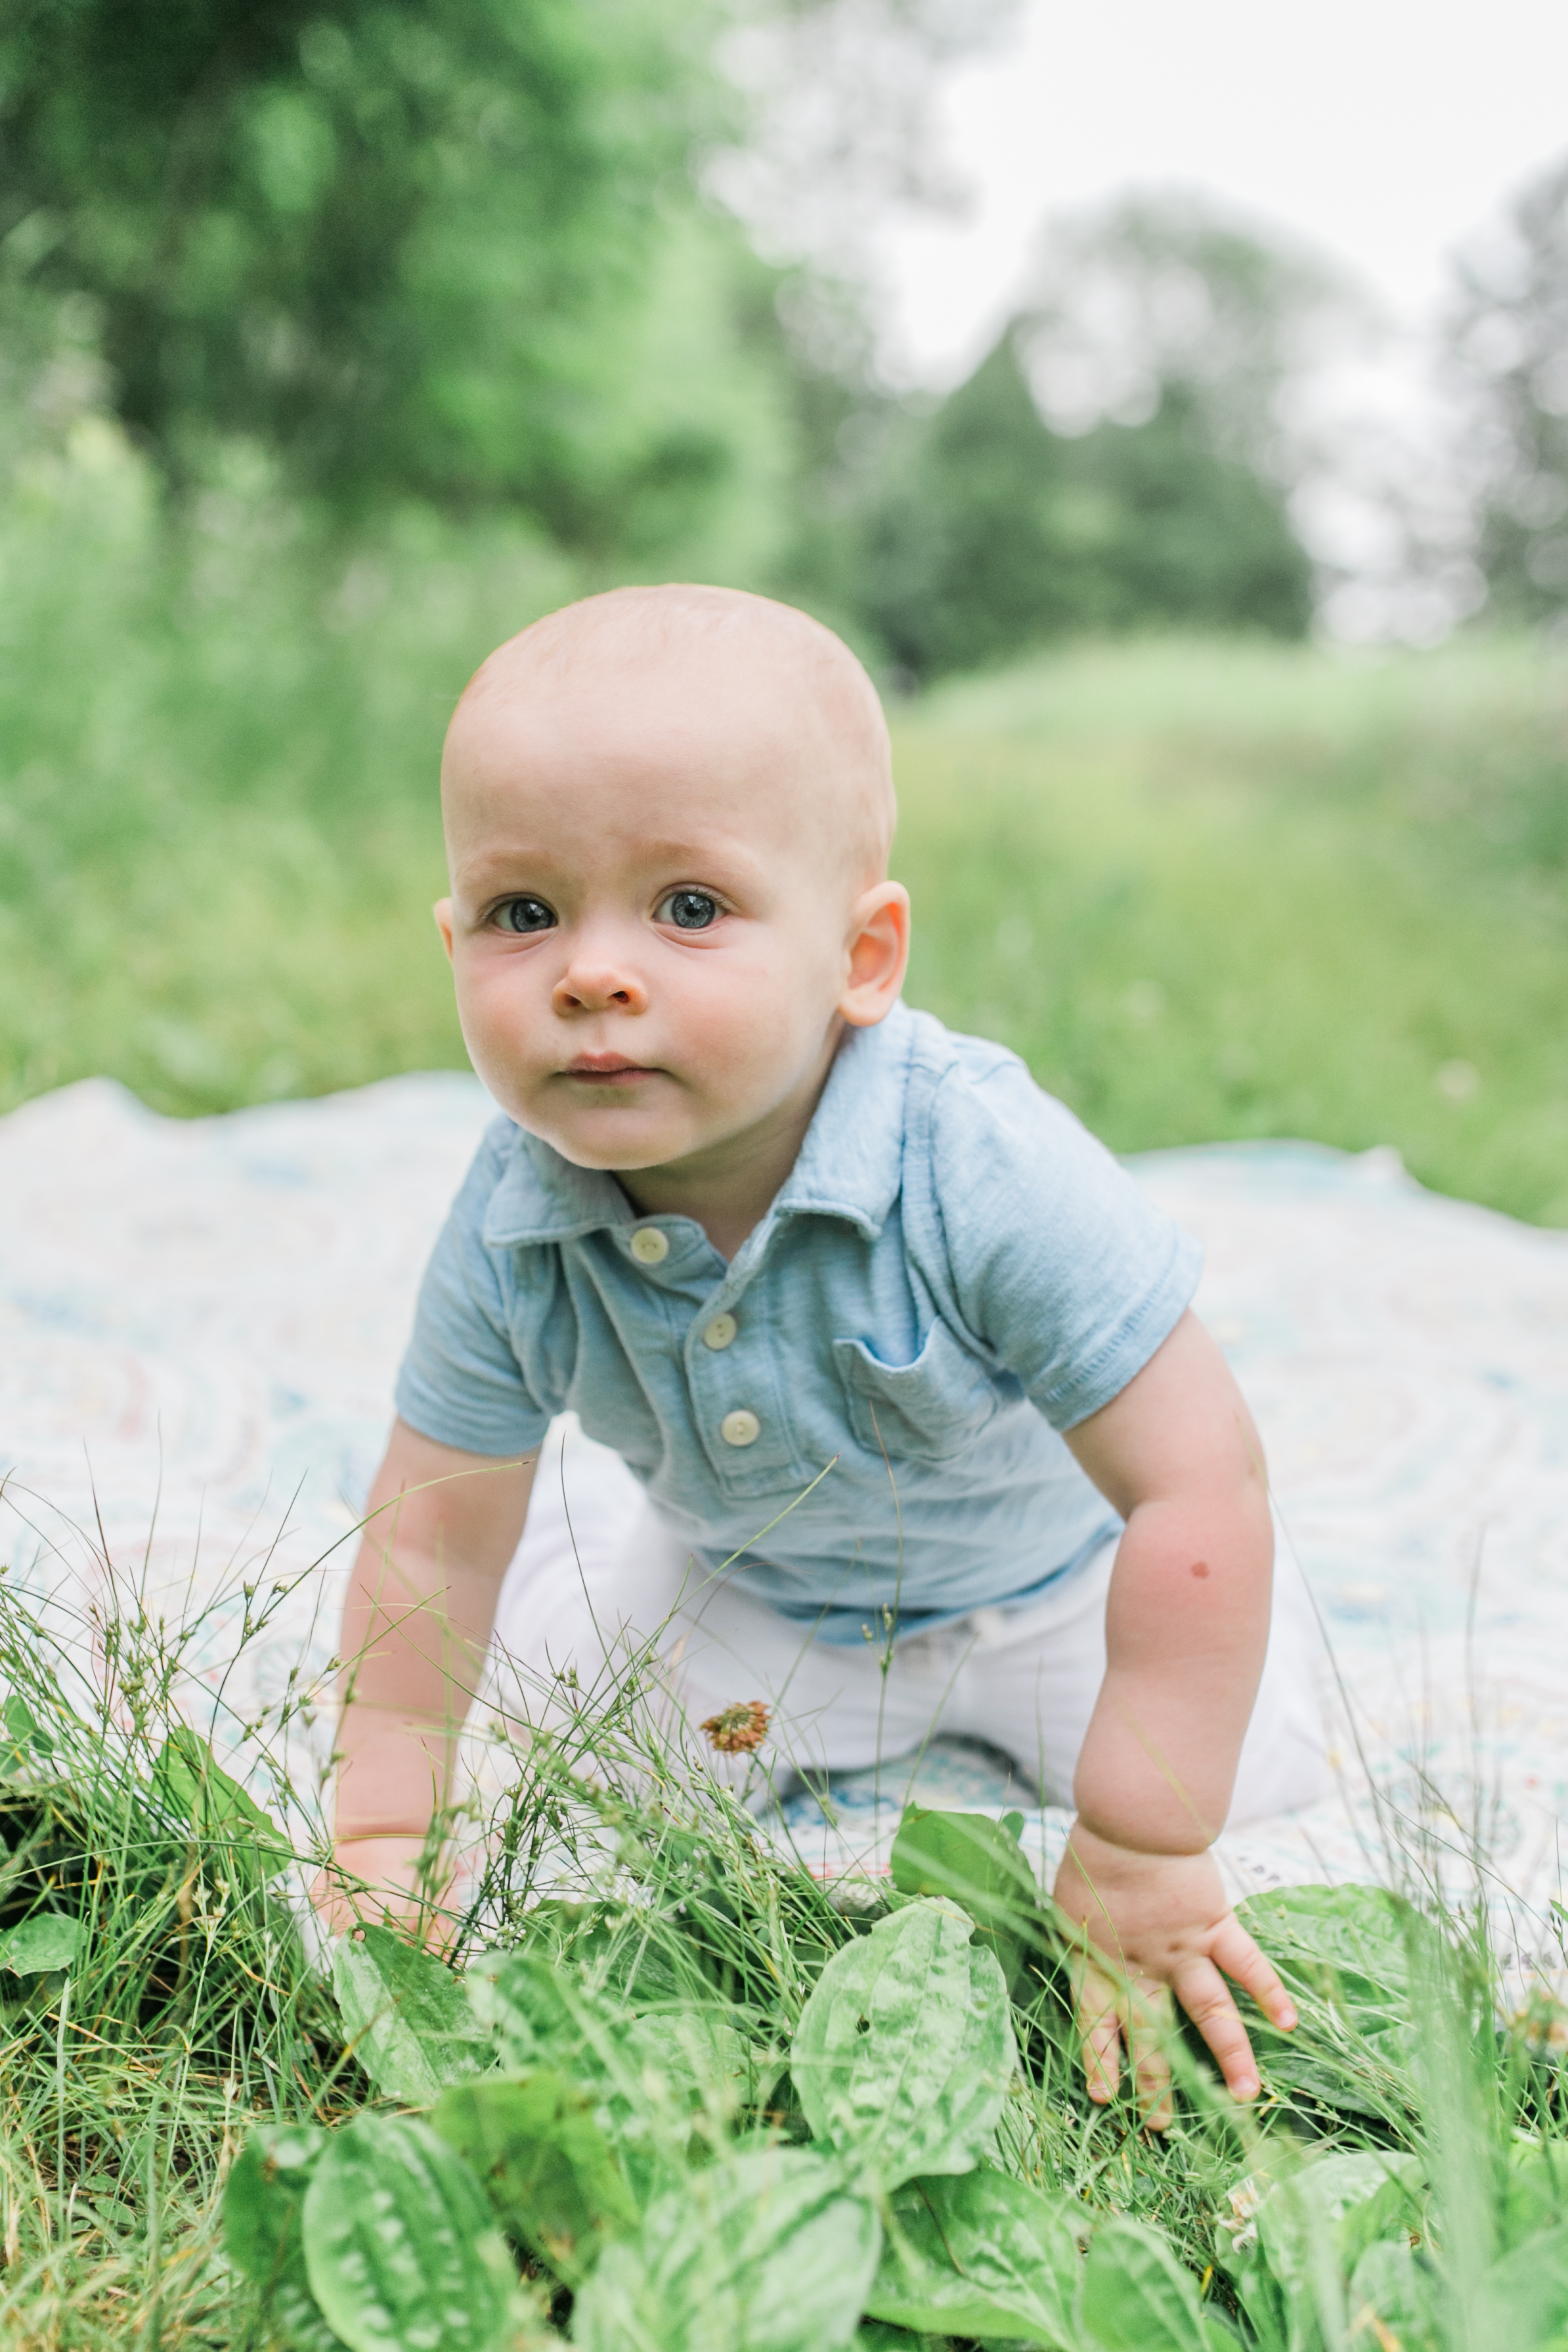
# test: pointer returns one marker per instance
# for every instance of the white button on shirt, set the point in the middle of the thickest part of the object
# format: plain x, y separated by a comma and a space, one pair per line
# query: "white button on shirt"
721, 1331
952, 1272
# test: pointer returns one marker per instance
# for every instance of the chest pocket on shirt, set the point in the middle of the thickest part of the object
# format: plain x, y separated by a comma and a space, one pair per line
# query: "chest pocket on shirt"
924, 1412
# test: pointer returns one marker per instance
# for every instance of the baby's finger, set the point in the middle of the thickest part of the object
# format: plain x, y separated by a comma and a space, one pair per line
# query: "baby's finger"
1149, 2028
1203, 1993
1234, 1950
1099, 2031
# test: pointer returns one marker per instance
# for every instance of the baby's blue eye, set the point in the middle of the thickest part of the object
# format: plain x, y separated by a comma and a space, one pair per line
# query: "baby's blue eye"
524, 915
688, 911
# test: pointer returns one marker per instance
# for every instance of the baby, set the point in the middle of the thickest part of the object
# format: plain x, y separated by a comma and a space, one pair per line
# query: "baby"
752, 1220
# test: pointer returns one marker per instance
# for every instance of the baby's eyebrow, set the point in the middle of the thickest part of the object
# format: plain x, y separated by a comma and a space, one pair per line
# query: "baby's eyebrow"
481, 870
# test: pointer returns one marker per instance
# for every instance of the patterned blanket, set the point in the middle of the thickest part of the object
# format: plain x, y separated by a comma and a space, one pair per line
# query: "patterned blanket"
199, 1323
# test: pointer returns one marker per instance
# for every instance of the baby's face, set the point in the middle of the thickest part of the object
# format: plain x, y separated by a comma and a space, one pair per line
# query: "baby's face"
654, 915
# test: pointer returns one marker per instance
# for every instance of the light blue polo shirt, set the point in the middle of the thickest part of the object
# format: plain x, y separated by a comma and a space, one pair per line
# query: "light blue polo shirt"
953, 1273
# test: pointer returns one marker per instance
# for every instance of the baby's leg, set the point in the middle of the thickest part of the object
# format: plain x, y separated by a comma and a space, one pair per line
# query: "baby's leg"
831, 1706
1029, 1685
585, 1585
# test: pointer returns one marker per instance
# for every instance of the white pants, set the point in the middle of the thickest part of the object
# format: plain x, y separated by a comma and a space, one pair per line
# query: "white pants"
599, 1575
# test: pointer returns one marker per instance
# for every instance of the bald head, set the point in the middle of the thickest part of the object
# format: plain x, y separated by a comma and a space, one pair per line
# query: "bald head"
718, 660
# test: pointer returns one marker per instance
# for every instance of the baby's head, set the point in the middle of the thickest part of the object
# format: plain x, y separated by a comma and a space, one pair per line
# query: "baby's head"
668, 812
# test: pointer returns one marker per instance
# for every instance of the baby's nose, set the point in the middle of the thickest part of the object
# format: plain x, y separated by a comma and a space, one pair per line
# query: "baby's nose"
595, 986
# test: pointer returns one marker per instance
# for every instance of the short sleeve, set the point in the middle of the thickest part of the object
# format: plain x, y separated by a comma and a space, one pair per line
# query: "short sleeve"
1060, 1266
461, 1382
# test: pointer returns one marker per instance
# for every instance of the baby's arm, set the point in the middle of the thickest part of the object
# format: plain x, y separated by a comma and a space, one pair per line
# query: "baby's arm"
441, 1527
1187, 1628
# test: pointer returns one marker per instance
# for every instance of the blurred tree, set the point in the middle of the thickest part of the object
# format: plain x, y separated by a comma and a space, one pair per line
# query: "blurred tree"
447, 253
476, 255
1510, 340
1161, 345
1167, 289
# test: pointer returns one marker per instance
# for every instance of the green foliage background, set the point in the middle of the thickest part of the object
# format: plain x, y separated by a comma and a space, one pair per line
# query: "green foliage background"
1207, 888
336, 343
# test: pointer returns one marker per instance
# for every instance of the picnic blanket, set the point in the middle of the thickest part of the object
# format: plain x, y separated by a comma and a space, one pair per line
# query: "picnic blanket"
200, 1321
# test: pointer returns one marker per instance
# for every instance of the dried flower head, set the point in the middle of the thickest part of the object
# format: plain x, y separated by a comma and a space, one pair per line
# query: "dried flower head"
736, 1730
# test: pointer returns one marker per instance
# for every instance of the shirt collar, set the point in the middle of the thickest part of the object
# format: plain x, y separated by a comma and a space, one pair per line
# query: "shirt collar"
850, 1164
542, 1198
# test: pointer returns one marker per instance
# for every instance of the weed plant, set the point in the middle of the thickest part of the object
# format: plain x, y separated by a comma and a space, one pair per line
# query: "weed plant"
662, 2088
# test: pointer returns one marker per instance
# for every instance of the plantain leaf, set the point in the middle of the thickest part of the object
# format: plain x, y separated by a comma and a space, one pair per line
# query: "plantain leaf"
189, 1779
550, 2169
1391, 2285
904, 2052
401, 2249
1340, 2205
644, 2076
25, 1737
1361, 1932
765, 2252
975, 1862
262, 2201
48, 1940
405, 2016
1136, 2295
1524, 2297
1351, 1951
983, 2255
1534, 2191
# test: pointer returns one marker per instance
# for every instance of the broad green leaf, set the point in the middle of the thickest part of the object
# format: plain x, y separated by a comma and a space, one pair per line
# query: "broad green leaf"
1136, 2295
25, 1736
401, 2249
982, 2255
1535, 2190
550, 2169
904, 2052
262, 2201
404, 2016
976, 1863
263, 2194
1335, 2208
1524, 2297
189, 1779
1347, 1954
644, 2076
1359, 1931
537, 2013
46, 1941
1392, 2285
765, 2252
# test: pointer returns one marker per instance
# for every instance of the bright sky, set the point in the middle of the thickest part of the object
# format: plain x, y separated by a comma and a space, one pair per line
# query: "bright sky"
1385, 130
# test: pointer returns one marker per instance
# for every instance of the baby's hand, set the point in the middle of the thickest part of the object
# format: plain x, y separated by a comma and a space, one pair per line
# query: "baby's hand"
398, 1892
1164, 1927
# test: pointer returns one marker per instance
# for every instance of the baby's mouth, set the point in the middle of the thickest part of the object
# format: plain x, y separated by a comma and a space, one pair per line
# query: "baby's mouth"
607, 1070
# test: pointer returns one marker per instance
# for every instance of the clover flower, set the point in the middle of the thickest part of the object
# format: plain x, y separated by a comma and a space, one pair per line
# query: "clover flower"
737, 1729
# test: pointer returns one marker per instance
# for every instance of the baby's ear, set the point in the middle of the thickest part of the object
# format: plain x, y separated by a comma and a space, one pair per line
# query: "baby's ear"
442, 910
879, 951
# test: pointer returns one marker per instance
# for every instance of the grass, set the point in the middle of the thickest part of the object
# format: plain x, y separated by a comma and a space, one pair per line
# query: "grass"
1218, 890
187, 2018
1208, 889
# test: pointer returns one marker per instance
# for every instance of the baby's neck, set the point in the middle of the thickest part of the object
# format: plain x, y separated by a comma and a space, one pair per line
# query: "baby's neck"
723, 1217
729, 1188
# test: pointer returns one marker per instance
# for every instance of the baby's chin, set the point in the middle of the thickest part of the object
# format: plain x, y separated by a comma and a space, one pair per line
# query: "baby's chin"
614, 1140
